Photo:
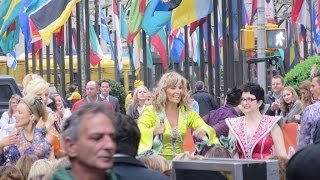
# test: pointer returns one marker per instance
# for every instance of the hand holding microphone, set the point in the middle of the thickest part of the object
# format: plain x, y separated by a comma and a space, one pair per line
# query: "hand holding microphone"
159, 129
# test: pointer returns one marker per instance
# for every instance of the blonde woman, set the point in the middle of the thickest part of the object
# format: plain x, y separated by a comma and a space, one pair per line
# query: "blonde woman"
7, 121
290, 105
168, 118
137, 104
29, 139
305, 93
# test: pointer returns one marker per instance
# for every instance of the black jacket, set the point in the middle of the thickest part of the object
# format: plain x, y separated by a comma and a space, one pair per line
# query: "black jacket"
206, 102
129, 168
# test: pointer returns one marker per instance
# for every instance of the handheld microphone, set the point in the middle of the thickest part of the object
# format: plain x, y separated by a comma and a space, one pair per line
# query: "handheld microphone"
161, 122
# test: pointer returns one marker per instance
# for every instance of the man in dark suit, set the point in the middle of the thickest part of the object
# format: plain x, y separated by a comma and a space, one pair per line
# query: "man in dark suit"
105, 90
125, 165
206, 101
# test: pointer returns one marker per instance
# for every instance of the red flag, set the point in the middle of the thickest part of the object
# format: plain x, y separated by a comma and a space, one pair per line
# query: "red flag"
158, 43
194, 25
60, 36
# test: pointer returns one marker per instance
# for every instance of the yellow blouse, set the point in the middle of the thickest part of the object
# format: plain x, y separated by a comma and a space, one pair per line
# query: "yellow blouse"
171, 146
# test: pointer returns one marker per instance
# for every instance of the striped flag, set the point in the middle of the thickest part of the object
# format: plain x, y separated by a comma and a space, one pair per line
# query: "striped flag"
137, 9
46, 19
159, 41
299, 12
12, 60
96, 53
117, 28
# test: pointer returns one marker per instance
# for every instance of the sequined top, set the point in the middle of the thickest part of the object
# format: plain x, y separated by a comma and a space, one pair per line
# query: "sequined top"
258, 145
38, 146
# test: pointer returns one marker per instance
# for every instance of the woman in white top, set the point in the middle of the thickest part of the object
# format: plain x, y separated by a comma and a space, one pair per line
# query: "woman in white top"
7, 122
137, 104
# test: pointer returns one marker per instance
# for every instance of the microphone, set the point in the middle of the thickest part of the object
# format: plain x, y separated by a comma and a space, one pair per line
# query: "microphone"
161, 122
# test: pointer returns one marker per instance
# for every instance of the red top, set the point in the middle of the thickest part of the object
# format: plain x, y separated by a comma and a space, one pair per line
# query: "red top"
84, 101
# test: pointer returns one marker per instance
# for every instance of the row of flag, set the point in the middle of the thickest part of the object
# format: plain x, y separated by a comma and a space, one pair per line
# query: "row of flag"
38, 22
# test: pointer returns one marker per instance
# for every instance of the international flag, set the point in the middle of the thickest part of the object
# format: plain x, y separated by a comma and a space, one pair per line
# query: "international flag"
11, 37
96, 53
196, 24
177, 46
316, 26
156, 16
137, 9
104, 32
11, 15
117, 28
189, 11
24, 23
50, 17
159, 41
254, 8
12, 60
4, 6
299, 12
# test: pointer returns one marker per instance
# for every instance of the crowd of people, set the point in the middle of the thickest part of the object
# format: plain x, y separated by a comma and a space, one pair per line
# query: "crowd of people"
44, 136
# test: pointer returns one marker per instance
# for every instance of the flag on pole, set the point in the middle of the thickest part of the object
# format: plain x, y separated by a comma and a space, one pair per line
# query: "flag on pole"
189, 11
159, 41
254, 9
156, 16
177, 46
12, 60
10, 16
96, 53
104, 32
316, 26
24, 24
299, 12
117, 29
137, 9
50, 17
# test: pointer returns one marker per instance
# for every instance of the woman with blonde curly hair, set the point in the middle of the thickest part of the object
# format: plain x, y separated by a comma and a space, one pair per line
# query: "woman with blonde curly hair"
137, 104
163, 125
290, 105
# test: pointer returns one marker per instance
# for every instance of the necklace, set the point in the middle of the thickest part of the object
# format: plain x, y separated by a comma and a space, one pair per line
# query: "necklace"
25, 138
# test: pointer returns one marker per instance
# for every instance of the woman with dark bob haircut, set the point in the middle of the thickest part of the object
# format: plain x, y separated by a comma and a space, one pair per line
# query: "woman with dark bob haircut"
256, 136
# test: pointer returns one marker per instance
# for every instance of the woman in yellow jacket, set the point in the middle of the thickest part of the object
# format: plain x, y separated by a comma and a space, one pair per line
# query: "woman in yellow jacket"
163, 125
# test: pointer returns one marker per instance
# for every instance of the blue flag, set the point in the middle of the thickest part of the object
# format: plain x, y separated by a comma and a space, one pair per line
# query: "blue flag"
105, 34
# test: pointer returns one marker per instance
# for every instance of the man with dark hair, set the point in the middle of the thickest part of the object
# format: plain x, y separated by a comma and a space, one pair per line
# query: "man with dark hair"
88, 136
216, 118
206, 101
92, 89
126, 166
277, 84
310, 116
105, 90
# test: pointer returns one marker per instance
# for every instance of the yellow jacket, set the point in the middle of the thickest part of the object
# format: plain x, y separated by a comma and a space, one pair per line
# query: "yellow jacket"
187, 119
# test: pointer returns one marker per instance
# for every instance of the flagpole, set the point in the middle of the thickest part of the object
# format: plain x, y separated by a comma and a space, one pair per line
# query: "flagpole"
209, 49
70, 50
87, 43
48, 63
96, 28
80, 48
186, 50
216, 49
261, 43
144, 56
26, 58
202, 65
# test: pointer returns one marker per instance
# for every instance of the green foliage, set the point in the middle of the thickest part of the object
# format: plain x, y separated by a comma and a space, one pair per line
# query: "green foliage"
118, 91
301, 72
